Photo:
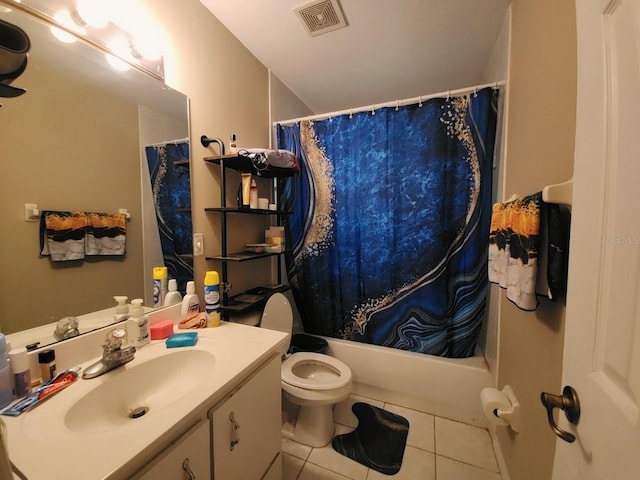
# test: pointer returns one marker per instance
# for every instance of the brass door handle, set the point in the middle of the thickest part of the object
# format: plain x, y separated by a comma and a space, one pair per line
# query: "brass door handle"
569, 403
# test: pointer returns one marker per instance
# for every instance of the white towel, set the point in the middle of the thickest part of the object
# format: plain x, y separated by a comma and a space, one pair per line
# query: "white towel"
513, 248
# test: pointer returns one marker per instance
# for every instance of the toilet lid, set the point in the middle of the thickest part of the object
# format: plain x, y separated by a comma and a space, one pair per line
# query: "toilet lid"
277, 314
315, 371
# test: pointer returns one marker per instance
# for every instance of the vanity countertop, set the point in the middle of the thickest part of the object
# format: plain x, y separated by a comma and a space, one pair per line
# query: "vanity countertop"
43, 446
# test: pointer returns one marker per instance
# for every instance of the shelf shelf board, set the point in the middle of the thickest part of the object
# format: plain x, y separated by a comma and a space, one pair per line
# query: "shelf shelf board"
253, 211
243, 256
255, 298
245, 165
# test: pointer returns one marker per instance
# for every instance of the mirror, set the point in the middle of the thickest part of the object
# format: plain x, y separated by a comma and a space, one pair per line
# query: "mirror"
75, 141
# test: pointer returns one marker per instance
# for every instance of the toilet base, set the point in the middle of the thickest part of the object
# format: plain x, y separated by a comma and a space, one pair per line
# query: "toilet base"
313, 427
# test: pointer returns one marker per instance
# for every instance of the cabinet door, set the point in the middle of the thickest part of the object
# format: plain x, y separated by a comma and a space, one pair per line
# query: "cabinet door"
189, 458
246, 427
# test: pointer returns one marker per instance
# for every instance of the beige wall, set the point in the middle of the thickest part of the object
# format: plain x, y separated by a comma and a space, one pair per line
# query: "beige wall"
540, 146
228, 92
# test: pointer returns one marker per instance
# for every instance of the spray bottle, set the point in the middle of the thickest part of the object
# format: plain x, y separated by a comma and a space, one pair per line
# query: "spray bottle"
160, 287
212, 298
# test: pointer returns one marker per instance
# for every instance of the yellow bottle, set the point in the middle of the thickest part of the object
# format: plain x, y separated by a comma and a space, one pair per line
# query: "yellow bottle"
160, 285
212, 298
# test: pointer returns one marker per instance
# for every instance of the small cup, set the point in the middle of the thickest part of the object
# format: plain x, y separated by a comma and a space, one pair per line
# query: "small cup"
272, 206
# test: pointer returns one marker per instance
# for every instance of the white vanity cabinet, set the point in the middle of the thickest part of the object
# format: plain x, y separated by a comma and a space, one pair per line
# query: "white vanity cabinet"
188, 458
246, 428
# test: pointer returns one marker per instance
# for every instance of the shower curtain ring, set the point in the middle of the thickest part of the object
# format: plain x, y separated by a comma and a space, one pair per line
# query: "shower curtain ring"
373, 109
420, 101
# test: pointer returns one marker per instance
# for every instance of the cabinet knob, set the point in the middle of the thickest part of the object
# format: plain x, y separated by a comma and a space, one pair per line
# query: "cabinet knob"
235, 426
187, 470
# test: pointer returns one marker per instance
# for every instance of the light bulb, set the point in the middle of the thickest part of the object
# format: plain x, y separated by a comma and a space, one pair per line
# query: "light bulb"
121, 50
94, 12
117, 63
64, 18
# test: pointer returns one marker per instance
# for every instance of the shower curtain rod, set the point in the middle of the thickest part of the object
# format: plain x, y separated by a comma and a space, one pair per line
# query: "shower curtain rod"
169, 142
395, 103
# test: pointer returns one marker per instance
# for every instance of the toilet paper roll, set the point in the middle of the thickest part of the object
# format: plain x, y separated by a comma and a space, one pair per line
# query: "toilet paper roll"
493, 400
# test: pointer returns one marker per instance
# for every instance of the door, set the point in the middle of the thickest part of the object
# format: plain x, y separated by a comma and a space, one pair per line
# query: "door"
188, 458
246, 428
602, 334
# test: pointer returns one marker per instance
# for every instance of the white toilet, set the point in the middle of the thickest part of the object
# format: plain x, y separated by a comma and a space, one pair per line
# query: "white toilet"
313, 381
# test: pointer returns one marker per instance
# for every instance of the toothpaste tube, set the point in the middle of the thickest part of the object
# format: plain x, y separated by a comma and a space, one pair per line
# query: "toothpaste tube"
44, 391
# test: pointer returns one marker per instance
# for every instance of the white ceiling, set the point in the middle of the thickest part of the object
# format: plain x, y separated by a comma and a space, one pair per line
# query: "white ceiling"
391, 49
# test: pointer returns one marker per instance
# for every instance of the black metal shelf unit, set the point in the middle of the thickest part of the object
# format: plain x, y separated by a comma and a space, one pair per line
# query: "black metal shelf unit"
255, 297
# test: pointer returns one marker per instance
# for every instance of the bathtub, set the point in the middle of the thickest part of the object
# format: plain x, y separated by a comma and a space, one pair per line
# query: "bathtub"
447, 387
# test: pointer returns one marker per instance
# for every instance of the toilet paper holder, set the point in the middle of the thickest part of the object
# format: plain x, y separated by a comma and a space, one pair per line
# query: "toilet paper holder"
506, 409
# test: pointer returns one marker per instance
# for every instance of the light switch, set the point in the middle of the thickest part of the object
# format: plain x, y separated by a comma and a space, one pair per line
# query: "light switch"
198, 244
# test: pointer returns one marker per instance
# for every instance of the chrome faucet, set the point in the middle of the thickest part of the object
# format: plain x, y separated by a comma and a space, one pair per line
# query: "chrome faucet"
113, 355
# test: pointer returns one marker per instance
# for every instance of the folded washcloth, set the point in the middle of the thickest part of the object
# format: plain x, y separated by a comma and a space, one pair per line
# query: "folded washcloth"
513, 248
197, 320
62, 235
106, 234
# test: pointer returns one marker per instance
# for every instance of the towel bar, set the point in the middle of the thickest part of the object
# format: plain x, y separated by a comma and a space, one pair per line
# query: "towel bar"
558, 193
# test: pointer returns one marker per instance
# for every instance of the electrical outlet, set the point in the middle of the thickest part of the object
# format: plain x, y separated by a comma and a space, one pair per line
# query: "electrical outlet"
198, 244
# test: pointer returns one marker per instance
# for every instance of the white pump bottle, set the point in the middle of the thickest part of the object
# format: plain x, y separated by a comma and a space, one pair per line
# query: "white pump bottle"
138, 325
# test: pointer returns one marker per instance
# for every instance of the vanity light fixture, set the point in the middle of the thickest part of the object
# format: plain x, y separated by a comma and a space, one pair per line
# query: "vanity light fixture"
99, 22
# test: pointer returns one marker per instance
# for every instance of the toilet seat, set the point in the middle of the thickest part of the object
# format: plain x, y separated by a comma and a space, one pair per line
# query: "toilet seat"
315, 371
277, 315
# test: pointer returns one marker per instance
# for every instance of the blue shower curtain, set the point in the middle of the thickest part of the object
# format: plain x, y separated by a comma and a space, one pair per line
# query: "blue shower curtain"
171, 188
390, 222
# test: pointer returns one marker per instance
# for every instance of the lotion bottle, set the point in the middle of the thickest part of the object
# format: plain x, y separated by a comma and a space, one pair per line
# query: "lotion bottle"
253, 194
6, 389
21, 372
190, 302
173, 295
233, 146
138, 325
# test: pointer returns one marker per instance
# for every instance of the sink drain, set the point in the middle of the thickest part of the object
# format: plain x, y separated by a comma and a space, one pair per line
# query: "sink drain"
138, 412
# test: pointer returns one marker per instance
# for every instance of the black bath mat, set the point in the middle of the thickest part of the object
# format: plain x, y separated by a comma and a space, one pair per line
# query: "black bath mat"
377, 442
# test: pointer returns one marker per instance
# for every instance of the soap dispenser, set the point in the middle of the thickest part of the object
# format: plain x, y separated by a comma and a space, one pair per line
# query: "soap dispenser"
122, 309
138, 325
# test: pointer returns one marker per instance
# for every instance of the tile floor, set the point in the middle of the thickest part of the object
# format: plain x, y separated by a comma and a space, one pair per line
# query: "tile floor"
437, 449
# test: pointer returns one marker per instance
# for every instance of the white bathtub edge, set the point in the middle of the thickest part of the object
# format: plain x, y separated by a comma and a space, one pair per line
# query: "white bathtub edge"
444, 387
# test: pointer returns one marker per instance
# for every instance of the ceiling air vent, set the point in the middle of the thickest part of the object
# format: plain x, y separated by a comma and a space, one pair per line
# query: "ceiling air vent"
321, 16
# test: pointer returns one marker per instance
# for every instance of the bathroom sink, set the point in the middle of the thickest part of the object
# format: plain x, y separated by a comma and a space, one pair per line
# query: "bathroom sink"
139, 390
